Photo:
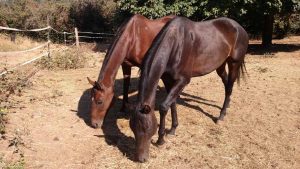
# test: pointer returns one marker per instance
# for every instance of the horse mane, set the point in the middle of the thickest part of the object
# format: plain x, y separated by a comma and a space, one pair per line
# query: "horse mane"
149, 56
119, 32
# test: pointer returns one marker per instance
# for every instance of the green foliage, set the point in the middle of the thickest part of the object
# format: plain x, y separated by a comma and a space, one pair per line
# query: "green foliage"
107, 15
159, 8
18, 165
92, 15
87, 15
207, 8
249, 13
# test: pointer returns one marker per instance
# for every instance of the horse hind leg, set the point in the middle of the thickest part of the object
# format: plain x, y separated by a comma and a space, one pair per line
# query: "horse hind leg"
221, 71
234, 67
126, 83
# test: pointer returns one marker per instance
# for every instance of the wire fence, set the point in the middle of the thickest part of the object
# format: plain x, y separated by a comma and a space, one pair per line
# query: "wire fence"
24, 51
69, 37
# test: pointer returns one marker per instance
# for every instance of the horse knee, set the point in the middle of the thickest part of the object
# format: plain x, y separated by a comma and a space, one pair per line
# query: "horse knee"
175, 124
163, 109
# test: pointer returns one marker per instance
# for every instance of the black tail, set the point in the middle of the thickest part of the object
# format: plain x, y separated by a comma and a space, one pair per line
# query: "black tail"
242, 72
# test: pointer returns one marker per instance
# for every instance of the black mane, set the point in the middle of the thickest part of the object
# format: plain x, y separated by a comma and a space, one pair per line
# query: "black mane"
112, 46
149, 56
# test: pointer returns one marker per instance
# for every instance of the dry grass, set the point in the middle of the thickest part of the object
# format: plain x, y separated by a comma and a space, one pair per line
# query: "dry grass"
70, 58
10, 60
22, 43
11, 83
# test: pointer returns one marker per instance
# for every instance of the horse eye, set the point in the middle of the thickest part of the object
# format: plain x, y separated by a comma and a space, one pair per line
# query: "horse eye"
99, 102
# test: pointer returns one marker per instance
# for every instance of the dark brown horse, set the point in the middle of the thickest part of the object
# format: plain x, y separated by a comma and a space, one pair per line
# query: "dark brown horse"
182, 50
132, 42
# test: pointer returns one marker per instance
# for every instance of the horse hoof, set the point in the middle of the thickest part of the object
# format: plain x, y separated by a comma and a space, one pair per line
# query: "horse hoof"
160, 142
220, 121
171, 132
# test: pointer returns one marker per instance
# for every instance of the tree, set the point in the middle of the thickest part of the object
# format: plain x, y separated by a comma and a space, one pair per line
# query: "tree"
158, 8
255, 15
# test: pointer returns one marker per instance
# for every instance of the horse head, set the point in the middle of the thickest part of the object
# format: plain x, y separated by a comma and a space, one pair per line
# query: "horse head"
101, 98
144, 125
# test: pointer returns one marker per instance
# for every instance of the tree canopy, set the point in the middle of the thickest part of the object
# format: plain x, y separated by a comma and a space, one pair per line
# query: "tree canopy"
255, 15
264, 18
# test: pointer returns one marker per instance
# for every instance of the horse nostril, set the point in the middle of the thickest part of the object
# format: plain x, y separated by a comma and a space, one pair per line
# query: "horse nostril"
96, 125
142, 159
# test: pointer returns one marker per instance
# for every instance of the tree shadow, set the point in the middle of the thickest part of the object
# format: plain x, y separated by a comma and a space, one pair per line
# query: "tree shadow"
258, 49
112, 134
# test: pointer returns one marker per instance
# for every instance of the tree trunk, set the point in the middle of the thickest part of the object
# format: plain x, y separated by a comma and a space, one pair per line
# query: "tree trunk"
267, 30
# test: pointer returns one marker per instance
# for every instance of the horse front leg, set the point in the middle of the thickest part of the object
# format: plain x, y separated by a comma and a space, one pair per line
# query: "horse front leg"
174, 119
164, 107
126, 83
169, 82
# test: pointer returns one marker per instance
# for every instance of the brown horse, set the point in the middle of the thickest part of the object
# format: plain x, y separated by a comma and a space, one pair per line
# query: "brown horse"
182, 50
132, 42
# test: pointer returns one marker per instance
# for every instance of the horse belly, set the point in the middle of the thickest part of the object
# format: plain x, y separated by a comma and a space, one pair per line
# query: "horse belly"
208, 63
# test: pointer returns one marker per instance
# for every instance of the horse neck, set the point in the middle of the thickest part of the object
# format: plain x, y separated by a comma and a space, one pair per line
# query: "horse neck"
154, 65
148, 90
113, 60
150, 78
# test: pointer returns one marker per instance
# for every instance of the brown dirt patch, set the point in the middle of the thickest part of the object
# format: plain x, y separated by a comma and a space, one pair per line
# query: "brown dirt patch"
261, 130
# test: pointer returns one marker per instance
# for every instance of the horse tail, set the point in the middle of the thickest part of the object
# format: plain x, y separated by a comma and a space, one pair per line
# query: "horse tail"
244, 40
242, 72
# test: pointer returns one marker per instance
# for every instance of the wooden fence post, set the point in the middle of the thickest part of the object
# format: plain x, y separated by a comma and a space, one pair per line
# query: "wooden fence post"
77, 38
13, 36
65, 39
48, 36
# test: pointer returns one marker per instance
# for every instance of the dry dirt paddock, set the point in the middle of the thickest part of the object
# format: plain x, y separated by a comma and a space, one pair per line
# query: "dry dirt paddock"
261, 129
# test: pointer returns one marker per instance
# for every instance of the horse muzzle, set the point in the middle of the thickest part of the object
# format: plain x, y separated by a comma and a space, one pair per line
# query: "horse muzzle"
97, 123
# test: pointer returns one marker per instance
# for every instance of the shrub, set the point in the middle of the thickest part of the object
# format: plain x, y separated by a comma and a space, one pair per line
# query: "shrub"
70, 58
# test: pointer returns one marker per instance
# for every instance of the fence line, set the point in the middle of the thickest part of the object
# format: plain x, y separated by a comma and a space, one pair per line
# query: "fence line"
24, 63
91, 37
23, 51
60, 31
97, 33
24, 30
49, 28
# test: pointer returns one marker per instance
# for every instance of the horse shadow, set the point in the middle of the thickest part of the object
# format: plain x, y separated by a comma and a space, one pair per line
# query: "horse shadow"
112, 134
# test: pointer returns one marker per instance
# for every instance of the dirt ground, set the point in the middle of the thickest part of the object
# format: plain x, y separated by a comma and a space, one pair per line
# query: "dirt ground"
261, 129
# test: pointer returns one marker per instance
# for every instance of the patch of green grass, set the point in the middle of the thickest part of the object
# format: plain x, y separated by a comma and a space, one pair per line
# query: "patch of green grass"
17, 165
20, 164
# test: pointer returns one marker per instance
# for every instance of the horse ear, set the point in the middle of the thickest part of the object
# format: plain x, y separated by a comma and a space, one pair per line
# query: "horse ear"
146, 109
90, 81
98, 86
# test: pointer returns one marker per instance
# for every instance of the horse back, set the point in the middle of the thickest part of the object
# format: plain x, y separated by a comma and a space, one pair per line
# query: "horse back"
201, 47
142, 32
